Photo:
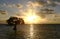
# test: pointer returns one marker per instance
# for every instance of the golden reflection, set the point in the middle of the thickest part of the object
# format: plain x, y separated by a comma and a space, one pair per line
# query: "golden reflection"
31, 31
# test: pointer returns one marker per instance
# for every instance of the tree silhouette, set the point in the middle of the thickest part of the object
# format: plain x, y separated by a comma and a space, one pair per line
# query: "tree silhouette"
15, 21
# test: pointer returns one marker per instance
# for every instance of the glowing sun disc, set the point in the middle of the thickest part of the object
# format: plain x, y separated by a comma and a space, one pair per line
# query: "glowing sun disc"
32, 19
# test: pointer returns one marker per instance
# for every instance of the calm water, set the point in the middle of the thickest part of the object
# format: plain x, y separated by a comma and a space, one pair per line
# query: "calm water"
36, 31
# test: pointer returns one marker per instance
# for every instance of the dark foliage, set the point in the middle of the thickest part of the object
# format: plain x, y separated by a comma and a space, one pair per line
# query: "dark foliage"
15, 21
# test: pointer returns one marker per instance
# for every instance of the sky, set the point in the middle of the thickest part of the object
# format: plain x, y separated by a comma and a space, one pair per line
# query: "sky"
11, 7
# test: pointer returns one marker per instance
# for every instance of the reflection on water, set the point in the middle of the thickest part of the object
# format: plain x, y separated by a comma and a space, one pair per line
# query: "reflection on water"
38, 32
25, 31
31, 31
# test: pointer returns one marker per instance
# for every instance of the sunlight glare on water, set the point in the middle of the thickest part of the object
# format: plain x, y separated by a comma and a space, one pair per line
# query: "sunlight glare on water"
31, 31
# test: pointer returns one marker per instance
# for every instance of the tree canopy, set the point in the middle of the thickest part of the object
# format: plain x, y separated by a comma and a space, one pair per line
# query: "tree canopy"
15, 21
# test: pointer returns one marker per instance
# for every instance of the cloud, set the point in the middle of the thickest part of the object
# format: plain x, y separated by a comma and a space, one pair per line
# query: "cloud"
33, 4
58, 3
2, 12
45, 11
14, 5
56, 0
54, 18
3, 5
52, 3
19, 6
11, 5
7, 5
48, 1
49, 10
41, 2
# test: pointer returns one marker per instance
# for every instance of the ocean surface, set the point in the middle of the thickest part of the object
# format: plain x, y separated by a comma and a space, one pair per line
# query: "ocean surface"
33, 31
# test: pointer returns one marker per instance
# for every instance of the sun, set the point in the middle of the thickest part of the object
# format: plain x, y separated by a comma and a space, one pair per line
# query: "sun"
31, 18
